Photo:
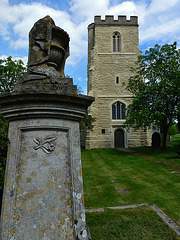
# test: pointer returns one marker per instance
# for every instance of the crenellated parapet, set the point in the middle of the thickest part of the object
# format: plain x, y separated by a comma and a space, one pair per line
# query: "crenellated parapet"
122, 20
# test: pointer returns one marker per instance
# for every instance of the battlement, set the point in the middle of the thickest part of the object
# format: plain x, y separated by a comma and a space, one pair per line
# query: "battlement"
109, 20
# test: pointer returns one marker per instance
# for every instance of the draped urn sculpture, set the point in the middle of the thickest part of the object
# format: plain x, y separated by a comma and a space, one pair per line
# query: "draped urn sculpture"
48, 48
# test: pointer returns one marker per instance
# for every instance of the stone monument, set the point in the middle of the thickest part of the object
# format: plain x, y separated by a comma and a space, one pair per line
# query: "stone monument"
43, 193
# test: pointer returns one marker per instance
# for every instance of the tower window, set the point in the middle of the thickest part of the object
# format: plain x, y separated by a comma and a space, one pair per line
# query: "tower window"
113, 111
103, 131
118, 110
117, 80
116, 42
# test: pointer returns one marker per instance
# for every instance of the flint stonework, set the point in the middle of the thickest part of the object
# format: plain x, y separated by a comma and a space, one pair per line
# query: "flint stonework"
43, 193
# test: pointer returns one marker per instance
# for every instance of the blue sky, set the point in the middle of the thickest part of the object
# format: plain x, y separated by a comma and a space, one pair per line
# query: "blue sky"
159, 22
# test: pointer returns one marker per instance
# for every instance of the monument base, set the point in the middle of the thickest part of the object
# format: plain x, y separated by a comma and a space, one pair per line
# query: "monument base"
43, 194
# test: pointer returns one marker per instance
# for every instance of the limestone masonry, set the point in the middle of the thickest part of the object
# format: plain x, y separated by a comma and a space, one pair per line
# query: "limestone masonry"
113, 47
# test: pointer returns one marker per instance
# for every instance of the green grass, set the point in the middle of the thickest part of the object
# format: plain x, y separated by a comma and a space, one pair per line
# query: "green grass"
176, 137
128, 224
145, 174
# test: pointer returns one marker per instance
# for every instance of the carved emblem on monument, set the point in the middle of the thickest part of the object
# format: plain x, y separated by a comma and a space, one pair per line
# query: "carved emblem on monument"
46, 145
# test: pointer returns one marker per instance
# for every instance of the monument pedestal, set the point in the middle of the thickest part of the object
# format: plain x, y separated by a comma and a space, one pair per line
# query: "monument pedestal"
43, 194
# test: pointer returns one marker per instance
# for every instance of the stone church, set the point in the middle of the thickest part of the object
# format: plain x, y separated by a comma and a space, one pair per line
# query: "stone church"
113, 47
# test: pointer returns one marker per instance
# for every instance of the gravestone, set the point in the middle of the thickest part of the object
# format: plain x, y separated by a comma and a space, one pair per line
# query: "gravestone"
43, 192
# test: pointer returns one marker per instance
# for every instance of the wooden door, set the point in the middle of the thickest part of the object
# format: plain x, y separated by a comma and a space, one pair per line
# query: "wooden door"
119, 138
156, 140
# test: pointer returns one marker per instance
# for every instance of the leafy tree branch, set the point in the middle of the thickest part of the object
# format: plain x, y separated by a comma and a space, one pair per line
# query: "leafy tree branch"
155, 85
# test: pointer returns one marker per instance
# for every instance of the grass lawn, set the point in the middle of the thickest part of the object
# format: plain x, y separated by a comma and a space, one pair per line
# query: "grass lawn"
137, 224
116, 178
176, 137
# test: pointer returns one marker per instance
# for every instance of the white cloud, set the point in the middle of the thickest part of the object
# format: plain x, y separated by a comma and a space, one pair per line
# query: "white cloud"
17, 20
19, 43
24, 59
86, 9
3, 57
126, 8
161, 22
159, 6
158, 20
163, 31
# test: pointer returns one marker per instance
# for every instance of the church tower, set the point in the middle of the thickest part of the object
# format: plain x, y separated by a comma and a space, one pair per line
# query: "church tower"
113, 47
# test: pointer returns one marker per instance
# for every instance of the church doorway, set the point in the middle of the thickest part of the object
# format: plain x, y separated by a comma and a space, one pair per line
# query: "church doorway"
156, 140
119, 138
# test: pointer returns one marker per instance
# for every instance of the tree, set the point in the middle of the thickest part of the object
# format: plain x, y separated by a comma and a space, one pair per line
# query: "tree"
3, 151
173, 130
155, 88
9, 72
87, 122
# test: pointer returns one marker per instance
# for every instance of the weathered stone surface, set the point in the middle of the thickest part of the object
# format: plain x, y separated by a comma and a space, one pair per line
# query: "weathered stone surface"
48, 48
39, 83
37, 105
43, 188
43, 194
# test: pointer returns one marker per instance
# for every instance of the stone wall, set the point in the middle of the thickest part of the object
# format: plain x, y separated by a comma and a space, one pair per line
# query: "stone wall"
104, 66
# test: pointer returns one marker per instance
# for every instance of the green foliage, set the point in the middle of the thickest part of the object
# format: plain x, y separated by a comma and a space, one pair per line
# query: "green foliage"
87, 122
178, 124
173, 130
177, 147
155, 88
3, 147
2, 173
175, 138
9, 72
175, 142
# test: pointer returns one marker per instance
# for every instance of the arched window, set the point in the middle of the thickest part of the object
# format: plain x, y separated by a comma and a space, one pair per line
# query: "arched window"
118, 110
116, 42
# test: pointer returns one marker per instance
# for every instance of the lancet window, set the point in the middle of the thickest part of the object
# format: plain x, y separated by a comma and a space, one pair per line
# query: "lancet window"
118, 110
116, 42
